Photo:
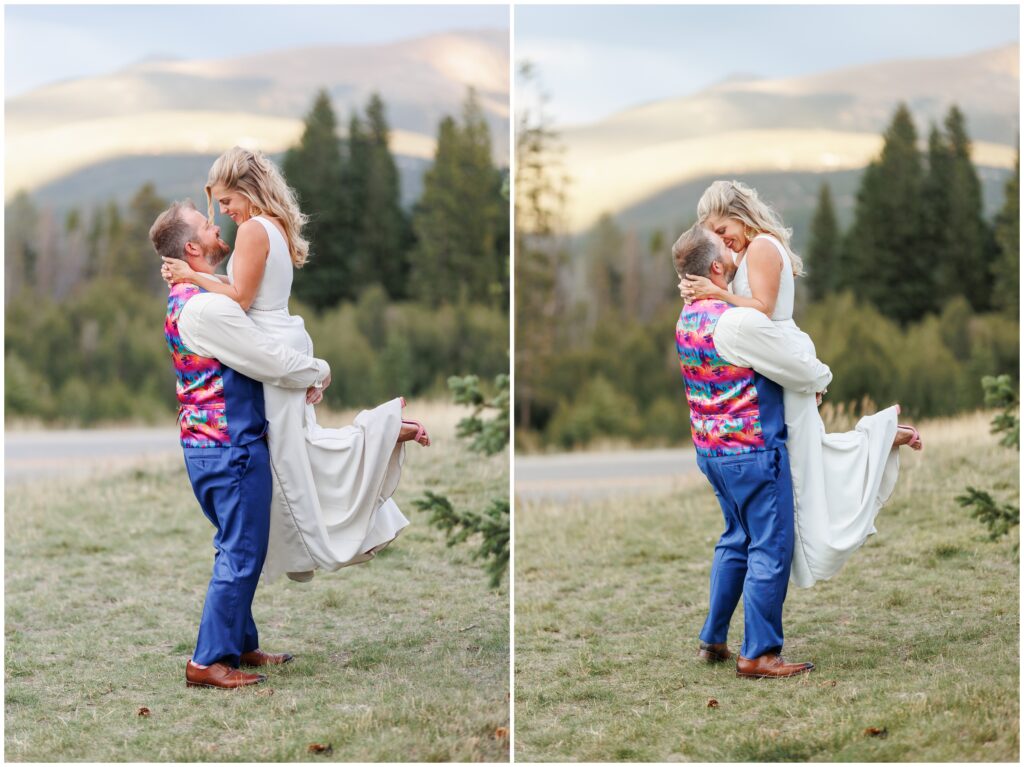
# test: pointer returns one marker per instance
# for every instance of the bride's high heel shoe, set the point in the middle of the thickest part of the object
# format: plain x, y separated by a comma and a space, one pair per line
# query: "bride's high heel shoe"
915, 442
421, 435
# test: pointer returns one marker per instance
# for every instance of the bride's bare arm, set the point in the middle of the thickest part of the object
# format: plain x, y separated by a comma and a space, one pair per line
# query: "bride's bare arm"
764, 273
249, 261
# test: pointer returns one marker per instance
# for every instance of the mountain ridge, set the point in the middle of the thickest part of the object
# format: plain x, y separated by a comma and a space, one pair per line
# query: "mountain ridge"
198, 106
824, 122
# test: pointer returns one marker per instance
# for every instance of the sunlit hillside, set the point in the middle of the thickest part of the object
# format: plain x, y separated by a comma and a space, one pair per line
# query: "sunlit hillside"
821, 123
166, 107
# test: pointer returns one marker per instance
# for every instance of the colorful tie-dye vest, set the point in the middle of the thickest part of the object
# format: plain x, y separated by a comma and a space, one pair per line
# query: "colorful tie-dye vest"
219, 407
733, 409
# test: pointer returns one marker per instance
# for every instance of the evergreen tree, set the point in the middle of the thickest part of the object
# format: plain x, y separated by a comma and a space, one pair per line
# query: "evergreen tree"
936, 198
314, 170
824, 249
355, 180
133, 256
76, 254
540, 253
488, 220
886, 262
20, 247
605, 268
967, 271
381, 232
461, 221
1007, 236
435, 217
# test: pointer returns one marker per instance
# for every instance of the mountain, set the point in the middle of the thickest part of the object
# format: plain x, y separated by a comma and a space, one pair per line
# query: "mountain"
155, 115
819, 124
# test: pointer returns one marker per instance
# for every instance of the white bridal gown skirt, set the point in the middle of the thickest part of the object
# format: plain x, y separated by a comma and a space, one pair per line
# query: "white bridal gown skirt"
332, 488
840, 481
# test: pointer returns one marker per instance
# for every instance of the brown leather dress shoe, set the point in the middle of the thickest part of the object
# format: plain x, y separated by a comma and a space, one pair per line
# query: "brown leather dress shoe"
770, 666
219, 675
259, 658
714, 653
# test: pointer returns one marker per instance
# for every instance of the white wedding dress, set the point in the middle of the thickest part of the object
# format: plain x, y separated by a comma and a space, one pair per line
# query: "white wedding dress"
332, 490
840, 480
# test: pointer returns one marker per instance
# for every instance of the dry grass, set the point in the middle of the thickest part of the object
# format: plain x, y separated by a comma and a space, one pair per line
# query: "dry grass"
917, 636
401, 659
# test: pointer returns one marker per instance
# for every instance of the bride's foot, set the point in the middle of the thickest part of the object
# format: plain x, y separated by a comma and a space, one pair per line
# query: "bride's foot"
413, 431
907, 435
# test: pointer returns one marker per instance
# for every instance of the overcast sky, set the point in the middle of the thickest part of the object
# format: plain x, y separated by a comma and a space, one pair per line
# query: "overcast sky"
597, 60
45, 44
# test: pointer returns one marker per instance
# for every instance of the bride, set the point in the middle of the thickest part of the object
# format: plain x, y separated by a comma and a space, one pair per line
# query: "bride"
332, 503
840, 480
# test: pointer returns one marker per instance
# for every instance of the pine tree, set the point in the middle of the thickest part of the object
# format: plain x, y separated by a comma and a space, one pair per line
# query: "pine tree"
540, 254
824, 249
382, 235
314, 170
134, 258
936, 199
488, 221
886, 263
1007, 236
605, 268
461, 221
20, 246
966, 272
435, 221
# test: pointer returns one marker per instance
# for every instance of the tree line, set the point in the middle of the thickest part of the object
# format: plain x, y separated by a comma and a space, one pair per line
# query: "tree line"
914, 303
919, 238
396, 300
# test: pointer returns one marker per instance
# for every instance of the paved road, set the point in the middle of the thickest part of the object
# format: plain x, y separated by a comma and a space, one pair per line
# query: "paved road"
587, 476
35, 455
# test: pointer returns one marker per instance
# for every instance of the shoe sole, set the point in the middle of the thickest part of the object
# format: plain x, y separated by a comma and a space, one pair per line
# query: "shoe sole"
220, 687
710, 657
775, 676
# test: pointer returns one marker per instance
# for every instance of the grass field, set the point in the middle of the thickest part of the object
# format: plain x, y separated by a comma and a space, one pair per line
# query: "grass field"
917, 637
404, 658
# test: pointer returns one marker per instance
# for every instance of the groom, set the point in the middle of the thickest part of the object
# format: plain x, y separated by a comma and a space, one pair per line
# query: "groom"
735, 364
221, 358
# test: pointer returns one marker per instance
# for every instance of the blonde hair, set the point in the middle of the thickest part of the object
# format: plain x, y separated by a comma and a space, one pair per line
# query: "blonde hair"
257, 179
734, 199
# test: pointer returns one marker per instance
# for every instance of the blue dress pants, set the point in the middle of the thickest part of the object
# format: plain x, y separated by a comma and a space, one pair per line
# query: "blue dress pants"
754, 554
233, 486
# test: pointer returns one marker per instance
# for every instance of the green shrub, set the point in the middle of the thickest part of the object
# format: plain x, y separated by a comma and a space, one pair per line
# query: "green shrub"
600, 411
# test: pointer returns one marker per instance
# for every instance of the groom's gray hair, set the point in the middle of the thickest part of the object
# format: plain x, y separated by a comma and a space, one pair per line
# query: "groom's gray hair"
694, 252
170, 231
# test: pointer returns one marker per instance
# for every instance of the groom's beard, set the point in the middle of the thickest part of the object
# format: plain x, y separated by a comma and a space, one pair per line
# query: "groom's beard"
213, 256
